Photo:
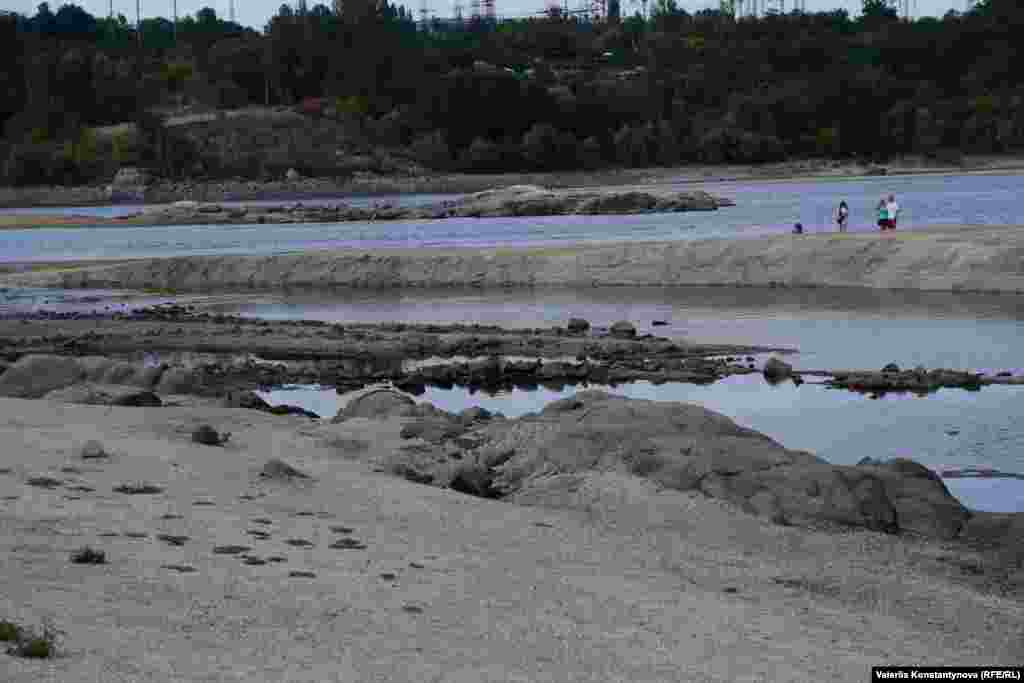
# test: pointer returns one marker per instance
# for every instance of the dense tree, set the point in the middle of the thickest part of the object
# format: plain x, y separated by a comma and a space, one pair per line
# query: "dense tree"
543, 93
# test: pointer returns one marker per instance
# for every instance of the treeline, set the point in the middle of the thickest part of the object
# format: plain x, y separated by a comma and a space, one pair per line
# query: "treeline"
533, 94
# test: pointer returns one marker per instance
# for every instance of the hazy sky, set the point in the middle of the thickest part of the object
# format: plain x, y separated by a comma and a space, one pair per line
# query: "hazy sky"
256, 12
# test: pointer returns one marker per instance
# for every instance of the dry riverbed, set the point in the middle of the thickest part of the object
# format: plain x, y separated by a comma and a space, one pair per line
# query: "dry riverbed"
601, 539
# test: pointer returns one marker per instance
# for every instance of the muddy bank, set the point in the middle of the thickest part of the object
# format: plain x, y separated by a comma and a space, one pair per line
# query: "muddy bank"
963, 258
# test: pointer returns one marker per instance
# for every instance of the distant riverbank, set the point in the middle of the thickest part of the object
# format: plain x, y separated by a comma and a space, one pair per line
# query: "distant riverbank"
369, 184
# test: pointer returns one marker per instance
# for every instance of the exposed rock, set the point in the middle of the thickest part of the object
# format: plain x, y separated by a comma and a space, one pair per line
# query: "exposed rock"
176, 380
208, 436
138, 399
891, 367
95, 367
475, 480
245, 399
687, 447
578, 325
35, 375
375, 405
292, 410
292, 175
474, 414
276, 468
776, 370
433, 430
92, 450
623, 329
917, 380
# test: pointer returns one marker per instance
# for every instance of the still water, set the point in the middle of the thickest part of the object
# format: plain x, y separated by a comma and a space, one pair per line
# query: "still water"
762, 208
951, 428
833, 328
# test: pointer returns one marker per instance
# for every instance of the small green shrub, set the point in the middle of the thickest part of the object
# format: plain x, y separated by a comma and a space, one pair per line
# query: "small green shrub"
35, 648
32, 644
9, 631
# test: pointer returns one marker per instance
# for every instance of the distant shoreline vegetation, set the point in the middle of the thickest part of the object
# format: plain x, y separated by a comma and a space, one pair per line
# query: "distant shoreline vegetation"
368, 90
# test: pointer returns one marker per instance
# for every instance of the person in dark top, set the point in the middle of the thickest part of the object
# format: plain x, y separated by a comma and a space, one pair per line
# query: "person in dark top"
842, 215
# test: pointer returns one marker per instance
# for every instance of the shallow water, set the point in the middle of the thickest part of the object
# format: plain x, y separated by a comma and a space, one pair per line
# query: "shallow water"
762, 208
951, 428
833, 328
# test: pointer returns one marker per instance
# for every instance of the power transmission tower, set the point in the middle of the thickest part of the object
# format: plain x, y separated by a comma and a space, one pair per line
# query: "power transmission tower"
423, 15
231, 11
458, 12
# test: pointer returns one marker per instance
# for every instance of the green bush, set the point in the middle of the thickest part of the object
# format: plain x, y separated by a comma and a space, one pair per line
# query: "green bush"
9, 631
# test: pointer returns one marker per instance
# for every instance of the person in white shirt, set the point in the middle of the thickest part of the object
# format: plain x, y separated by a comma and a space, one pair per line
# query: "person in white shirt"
893, 209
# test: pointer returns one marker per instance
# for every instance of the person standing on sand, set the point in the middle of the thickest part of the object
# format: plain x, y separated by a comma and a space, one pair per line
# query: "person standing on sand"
883, 215
842, 214
893, 210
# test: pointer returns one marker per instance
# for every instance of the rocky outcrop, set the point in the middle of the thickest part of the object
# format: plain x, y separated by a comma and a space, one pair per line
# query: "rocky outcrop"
105, 395
376, 405
776, 370
35, 376
919, 380
978, 259
516, 200
686, 447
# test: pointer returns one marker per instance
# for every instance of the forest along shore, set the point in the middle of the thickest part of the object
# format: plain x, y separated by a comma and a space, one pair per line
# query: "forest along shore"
955, 258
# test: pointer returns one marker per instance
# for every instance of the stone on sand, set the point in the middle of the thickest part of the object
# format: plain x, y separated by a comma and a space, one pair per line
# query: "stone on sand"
278, 469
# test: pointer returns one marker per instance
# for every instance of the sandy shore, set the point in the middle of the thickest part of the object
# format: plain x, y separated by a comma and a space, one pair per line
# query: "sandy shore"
953, 258
627, 582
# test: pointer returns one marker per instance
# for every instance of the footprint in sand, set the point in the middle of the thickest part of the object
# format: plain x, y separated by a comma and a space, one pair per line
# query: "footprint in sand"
180, 568
230, 549
302, 575
44, 482
348, 544
299, 543
341, 529
171, 539
262, 520
256, 533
